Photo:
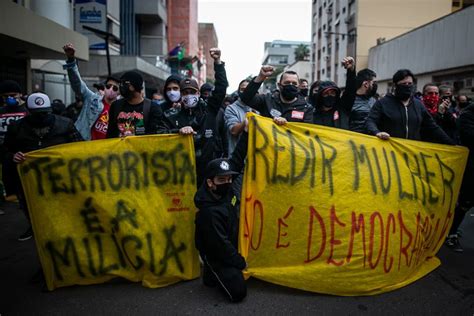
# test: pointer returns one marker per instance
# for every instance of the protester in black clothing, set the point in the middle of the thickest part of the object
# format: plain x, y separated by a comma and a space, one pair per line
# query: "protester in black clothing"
206, 91
303, 87
217, 225
439, 110
330, 108
171, 93
401, 115
13, 109
364, 100
283, 105
40, 129
133, 115
222, 137
466, 194
197, 117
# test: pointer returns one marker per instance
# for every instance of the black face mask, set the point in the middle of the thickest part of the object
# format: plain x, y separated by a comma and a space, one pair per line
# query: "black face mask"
289, 92
125, 91
462, 105
403, 92
304, 92
373, 91
329, 101
41, 119
222, 189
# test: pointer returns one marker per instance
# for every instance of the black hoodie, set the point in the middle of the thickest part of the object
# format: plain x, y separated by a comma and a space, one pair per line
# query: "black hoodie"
217, 228
217, 220
168, 103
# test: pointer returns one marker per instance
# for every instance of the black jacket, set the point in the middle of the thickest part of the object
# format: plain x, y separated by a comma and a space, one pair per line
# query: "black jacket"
360, 112
202, 119
217, 228
270, 105
24, 136
339, 116
167, 103
412, 122
217, 220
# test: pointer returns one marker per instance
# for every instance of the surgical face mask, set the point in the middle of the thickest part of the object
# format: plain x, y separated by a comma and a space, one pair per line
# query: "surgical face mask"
190, 100
173, 95
110, 94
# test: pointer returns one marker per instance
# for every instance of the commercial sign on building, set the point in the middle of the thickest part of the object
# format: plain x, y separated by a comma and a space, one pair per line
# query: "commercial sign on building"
92, 13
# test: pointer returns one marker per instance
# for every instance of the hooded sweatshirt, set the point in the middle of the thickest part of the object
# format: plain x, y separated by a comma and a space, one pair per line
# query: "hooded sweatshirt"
217, 228
167, 103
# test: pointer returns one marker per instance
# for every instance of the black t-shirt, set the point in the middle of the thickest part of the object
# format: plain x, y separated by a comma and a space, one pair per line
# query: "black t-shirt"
129, 119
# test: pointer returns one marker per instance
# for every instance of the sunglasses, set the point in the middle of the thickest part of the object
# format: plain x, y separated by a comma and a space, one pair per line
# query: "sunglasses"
114, 87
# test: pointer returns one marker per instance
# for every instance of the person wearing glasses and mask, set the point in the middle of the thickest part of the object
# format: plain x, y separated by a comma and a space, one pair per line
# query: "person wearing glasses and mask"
93, 120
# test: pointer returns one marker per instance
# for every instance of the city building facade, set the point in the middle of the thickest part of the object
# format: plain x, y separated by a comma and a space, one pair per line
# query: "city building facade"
350, 27
436, 53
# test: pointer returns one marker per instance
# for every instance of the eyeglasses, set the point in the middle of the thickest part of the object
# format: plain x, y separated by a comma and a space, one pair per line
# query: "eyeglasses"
114, 87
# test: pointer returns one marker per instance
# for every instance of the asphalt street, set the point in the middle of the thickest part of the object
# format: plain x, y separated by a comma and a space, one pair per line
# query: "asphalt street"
449, 290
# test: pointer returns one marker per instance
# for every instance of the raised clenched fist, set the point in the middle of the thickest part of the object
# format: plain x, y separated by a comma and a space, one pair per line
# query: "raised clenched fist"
69, 50
348, 63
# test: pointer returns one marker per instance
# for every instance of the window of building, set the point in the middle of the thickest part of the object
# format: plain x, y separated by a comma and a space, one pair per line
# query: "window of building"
324, 49
322, 71
343, 10
319, 54
324, 26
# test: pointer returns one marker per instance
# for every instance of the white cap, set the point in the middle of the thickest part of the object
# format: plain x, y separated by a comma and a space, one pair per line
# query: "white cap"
38, 102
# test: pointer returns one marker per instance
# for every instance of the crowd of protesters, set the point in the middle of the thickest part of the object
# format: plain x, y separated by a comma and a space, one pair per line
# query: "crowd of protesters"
218, 125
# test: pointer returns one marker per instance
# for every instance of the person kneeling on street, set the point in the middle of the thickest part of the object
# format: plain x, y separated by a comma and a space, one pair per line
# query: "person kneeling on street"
217, 229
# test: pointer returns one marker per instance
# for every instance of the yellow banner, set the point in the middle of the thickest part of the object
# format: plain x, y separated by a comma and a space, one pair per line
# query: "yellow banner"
114, 208
336, 212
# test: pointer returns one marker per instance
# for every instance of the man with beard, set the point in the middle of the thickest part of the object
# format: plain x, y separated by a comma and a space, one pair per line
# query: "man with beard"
40, 129
364, 100
284, 105
401, 115
330, 108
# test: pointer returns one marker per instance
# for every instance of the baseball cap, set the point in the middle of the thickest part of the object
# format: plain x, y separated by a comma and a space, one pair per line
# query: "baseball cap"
38, 102
218, 167
188, 84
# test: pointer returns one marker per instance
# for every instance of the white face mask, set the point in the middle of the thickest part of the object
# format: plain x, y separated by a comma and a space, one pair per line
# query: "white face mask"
174, 96
190, 100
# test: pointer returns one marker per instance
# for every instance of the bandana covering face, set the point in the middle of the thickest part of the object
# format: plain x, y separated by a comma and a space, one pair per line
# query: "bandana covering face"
431, 103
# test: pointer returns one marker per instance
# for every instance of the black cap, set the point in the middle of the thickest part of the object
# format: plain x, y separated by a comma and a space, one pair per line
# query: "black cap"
8, 86
219, 167
135, 79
